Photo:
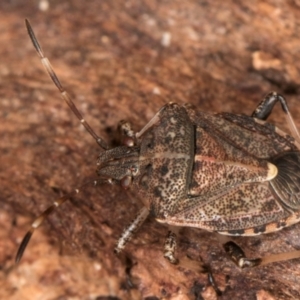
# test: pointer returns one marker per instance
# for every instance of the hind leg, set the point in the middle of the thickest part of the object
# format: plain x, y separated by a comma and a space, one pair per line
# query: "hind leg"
238, 256
264, 109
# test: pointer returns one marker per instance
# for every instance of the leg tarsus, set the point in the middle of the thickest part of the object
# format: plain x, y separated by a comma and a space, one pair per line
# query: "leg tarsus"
238, 256
212, 281
170, 248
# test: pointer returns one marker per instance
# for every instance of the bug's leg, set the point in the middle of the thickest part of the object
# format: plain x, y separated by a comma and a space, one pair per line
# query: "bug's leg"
198, 266
63, 92
170, 247
127, 134
238, 256
153, 121
131, 229
197, 288
39, 220
264, 109
212, 281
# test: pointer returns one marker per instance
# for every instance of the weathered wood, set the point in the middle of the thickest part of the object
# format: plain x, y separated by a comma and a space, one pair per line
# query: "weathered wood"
116, 58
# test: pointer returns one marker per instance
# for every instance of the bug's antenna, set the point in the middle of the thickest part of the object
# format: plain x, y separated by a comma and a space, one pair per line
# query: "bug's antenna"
40, 219
63, 92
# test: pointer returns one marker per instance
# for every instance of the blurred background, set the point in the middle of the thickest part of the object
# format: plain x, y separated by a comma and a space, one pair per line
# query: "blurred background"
125, 60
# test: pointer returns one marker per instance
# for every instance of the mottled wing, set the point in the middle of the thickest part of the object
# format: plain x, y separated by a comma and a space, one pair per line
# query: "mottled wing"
237, 208
254, 137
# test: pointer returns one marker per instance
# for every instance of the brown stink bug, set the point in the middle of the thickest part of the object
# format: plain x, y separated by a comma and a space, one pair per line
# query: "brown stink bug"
232, 174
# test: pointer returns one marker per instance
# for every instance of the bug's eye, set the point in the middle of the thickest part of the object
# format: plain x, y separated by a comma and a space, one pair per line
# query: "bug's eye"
128, 141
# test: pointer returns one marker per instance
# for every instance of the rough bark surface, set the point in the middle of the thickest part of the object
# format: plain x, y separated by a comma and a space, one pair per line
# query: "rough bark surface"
124, 60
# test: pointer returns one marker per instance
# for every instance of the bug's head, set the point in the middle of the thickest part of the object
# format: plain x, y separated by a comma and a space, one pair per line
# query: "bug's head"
120, 164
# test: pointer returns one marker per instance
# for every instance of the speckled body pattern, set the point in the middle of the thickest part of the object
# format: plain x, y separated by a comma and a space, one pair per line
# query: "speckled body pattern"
232, 174
211, 171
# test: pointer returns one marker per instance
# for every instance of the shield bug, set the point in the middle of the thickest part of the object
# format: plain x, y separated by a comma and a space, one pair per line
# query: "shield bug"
227, 173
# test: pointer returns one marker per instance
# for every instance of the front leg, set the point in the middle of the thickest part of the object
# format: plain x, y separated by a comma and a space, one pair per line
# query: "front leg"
131, 229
